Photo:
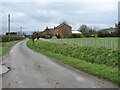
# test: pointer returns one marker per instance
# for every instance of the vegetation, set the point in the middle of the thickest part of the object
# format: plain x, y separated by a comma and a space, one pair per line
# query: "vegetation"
100, 62
86, 31
58, 36
39, 35
6, 45
5, 38
76, 36
11, 33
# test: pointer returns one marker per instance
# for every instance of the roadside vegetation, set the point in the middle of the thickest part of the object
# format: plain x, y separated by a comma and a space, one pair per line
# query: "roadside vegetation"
6, 45
100, 61
7, 41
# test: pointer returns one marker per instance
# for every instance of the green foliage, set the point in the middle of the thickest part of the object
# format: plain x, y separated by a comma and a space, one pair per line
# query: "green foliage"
76, 36
58, 36
100, 55
5, 38
11, 33
68, 54
6, 45
39, 35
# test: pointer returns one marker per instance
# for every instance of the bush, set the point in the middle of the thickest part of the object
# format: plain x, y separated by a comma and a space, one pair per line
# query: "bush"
5, 38
76, 36
11, 33
58, 36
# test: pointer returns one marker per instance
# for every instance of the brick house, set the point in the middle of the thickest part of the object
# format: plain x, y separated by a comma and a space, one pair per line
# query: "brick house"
64, 30
48, 31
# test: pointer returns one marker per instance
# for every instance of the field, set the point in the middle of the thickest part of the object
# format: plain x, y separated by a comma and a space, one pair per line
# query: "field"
91, 42
99, 61
5, 46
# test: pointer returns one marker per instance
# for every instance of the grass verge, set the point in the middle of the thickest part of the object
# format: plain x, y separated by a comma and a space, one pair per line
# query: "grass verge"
100, 70
6, 45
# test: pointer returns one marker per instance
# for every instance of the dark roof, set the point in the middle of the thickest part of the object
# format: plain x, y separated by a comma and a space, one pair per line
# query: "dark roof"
51, 30
109, 29
62, 24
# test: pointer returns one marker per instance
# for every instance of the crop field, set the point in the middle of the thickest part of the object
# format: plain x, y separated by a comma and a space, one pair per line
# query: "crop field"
90, 42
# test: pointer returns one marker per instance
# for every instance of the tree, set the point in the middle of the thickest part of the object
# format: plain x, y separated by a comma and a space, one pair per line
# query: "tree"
35, 35
83, 28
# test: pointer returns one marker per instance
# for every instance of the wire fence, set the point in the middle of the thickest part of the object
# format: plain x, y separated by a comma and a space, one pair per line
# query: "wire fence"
113, 44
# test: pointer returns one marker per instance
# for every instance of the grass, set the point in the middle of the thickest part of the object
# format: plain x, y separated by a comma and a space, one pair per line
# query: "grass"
6, 45
94, 42
100, 70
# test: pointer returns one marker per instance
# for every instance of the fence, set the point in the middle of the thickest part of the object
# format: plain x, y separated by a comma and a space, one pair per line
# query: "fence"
91, 43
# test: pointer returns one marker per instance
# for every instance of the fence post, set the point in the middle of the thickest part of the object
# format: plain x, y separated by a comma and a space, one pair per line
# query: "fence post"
93, 42
111, 44
115, 45
89, 42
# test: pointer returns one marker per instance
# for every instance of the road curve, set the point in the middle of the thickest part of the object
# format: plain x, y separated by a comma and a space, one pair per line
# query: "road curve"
34, 70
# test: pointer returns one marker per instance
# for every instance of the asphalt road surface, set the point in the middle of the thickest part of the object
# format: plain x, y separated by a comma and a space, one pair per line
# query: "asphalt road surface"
33, 70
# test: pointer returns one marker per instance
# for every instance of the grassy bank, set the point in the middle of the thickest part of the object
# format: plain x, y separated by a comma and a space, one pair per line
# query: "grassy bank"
6, 45
69, 54
94, 42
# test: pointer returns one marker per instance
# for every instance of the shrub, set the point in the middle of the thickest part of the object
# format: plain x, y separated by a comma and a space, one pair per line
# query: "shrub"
76, 36
5, 38
58, 36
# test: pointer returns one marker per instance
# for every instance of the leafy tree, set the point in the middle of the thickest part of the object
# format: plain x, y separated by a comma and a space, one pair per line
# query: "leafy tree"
35, 35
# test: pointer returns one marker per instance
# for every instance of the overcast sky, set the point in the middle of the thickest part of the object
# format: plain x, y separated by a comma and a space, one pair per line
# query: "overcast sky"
35, 16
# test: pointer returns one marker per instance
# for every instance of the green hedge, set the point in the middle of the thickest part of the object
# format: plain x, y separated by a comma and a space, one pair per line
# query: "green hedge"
5, 38
76, 36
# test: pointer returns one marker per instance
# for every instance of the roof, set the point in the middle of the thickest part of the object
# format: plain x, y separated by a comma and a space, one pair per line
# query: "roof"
108, 29
76, 32
62, 24
51, 30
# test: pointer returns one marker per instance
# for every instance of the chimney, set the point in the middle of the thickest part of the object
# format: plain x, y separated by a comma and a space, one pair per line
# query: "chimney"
46, 27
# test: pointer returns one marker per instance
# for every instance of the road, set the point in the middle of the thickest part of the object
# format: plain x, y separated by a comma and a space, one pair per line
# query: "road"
33, 70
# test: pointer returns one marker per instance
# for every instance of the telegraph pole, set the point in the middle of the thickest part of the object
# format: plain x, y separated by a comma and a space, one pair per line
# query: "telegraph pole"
21, 30
9, 25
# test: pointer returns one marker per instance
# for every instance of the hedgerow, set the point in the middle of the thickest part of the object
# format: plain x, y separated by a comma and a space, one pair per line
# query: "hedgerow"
5, 38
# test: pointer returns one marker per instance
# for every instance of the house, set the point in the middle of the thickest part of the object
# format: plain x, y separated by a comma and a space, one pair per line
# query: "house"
64, 30
110, 30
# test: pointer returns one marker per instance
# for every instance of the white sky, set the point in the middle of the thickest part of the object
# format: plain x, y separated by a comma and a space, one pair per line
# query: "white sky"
41, 13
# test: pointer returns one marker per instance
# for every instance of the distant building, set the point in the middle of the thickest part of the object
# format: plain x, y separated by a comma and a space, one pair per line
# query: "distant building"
110, 30
64, 30
76, 32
